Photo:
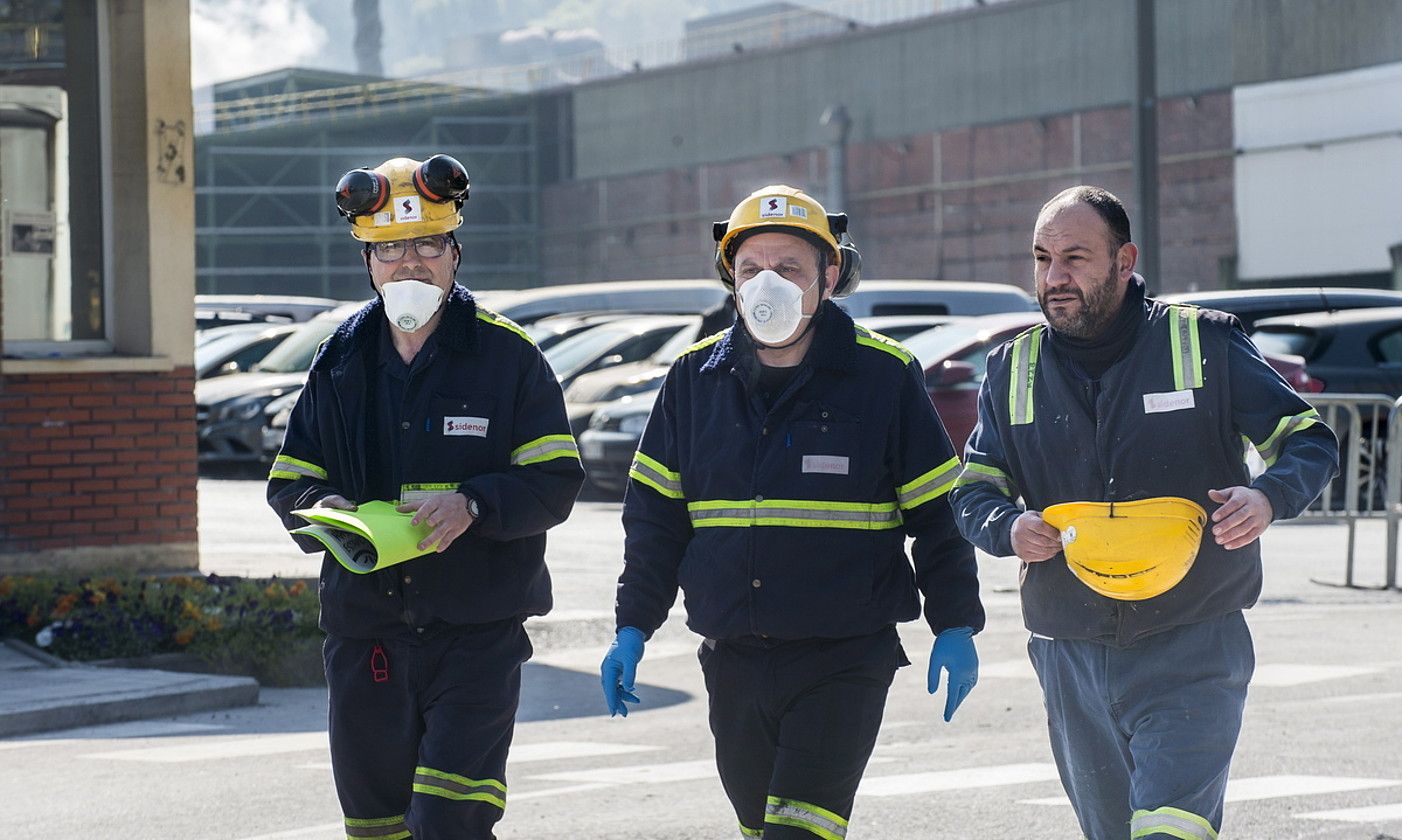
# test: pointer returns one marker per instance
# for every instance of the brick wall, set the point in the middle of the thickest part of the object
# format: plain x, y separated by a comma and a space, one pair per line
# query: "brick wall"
952, 205
99, 470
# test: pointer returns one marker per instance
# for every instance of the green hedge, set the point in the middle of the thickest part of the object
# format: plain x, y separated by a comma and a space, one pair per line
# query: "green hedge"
263, 627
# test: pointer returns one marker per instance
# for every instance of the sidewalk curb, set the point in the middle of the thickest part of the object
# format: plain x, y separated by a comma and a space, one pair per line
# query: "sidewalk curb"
53, 694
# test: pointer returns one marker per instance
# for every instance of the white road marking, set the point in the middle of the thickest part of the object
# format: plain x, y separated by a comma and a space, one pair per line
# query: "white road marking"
541, 794
113, 731
1358, 698
218, 747
1280, 674
335, 830
545, 751
962, 779
1272, 787
1020, 669
1365, 814
680, 771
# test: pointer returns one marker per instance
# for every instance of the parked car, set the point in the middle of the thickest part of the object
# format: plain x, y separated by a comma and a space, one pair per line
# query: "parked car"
229, 409
1252, 305
237, 349
901, 327
218, 310
606, 447
552, 329
934, 297
1356, 351
616, 342
675, 297
590, 390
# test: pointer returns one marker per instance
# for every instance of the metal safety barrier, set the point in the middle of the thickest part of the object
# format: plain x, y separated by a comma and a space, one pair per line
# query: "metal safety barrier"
1369, 486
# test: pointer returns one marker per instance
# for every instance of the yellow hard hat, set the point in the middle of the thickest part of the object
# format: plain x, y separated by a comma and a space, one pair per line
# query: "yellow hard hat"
403, 198
1129, 551
786, 209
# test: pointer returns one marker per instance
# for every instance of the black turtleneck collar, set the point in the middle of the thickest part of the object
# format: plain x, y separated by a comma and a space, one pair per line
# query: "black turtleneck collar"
1096, 355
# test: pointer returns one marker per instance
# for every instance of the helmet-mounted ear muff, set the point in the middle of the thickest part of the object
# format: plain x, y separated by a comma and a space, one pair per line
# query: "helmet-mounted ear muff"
849, 260
383, 203
360, 192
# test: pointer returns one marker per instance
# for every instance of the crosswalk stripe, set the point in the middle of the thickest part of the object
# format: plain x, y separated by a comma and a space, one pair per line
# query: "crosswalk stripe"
220, 746
679, 771
113, 731
1365, 814
1282, 674
1272, 787
962, 779
545, 751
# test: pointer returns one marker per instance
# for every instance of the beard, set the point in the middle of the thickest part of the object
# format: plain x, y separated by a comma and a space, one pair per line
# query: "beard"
1098, 306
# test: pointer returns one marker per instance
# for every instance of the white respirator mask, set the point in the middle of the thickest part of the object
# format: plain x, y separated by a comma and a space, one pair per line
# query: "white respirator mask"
772, 307
409, 304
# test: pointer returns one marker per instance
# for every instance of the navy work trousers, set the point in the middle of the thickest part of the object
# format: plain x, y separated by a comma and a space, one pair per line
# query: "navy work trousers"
420, 730
1143, 735
794, 723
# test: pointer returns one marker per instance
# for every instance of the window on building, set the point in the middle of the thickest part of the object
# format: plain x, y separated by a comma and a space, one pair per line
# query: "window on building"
51, 178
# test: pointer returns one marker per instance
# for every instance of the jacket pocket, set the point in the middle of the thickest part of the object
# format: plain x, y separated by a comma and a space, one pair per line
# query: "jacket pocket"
465, 438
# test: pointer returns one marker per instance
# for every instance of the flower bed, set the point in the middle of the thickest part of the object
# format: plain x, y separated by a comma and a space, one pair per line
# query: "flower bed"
264, 628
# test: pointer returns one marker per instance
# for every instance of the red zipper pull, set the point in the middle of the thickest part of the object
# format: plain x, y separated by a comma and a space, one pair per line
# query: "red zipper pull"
379, 664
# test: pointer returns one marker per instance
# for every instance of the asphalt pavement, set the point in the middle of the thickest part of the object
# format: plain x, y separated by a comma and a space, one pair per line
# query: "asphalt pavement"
1317, 758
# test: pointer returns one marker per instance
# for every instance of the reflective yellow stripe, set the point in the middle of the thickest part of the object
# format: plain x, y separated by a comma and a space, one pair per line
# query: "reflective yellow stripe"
1026, 349
427, 488
490, 317
459, 788
751, 832
285, 466
1269, 450
794, 513
545, 449
704, 343
381, 828
650, 471
869, 338
975, 472
931, 485
810, 818
1187, 352
1174, 822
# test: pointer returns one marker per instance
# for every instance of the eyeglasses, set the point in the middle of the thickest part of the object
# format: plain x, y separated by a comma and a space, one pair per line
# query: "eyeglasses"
427, 247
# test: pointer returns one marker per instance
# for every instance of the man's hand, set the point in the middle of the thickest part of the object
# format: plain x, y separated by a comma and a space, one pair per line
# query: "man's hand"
1033, 539
445, 513
336, 501
1244, 515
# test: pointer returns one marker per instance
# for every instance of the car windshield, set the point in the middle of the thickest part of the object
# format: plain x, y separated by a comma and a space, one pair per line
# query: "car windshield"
216, 348
575, 352
939, 342
674, 346
1285, 342
296, 352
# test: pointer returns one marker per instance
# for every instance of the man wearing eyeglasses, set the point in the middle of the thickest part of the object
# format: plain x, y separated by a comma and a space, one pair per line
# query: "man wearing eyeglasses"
425, 398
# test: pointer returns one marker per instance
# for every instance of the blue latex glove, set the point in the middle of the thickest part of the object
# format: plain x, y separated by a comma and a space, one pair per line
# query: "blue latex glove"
619, 668
954, 652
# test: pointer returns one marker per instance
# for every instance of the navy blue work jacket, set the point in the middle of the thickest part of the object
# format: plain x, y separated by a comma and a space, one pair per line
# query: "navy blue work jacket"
1171, 417
790, 520
484, 417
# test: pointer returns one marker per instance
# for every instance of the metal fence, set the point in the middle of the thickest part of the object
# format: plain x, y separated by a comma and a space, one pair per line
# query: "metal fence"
1369, 486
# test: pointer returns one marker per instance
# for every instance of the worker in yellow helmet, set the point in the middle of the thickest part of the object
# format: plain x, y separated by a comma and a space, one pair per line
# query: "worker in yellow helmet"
784, 464
425, 398
1109, 458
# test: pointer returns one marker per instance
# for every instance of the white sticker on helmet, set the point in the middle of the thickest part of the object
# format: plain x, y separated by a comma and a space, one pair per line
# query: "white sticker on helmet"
406, 209
382, 219
798, 211
773, 207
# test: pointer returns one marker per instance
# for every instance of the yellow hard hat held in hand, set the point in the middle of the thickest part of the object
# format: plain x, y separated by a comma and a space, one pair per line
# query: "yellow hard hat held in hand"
1129, 551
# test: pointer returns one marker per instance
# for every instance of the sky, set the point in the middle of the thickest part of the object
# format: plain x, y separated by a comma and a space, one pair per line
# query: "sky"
235, 38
